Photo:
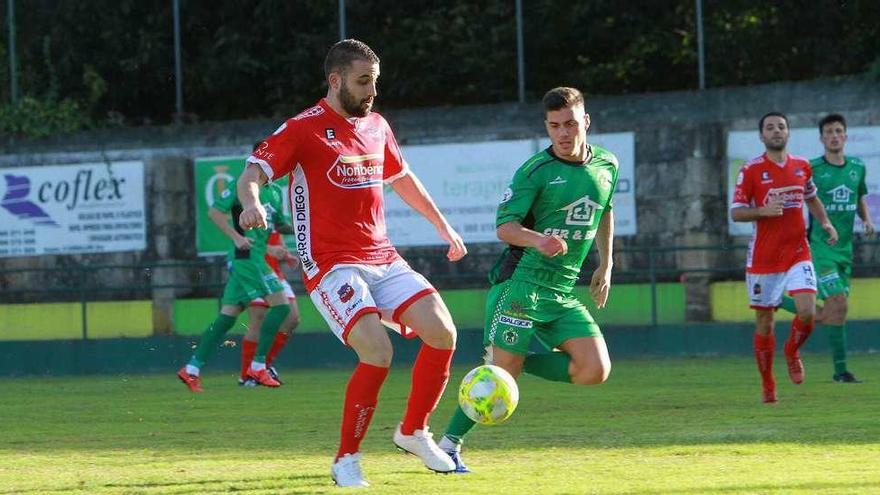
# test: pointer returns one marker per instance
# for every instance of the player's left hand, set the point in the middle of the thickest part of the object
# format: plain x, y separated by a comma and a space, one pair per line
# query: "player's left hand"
832, 233
869, 229
600, 285
457, 249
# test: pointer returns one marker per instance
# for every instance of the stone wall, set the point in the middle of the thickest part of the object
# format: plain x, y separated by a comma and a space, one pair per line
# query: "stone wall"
680, 178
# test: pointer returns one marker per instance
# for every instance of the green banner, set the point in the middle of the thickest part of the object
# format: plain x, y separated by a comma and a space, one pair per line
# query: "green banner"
213, 175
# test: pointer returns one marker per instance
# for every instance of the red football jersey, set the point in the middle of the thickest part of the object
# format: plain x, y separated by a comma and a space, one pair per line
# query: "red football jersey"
338, 167
777, 242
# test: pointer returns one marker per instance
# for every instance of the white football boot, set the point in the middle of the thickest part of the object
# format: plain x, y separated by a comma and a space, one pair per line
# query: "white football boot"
421, 444
347, 472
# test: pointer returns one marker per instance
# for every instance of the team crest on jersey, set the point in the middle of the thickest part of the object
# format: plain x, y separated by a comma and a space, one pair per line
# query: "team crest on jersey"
853, 175
799, 172
604, 179
582, 212
508, 193
357, 172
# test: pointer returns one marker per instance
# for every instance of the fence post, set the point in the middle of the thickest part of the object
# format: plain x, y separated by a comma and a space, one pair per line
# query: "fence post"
653, 274
83, 303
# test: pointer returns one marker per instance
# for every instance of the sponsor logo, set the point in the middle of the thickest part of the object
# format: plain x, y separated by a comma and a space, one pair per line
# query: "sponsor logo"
345, 293
515, 322
841, 194
330, 133
301, 218
15, 200
792, 196
582, 212
558, 180
262, 152
357, 172
739, 178
765, 177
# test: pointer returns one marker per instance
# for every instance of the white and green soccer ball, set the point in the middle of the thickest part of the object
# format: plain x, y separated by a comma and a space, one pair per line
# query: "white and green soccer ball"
488, 394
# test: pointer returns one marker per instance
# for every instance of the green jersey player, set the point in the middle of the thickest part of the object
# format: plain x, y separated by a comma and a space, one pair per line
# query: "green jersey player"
840, 181
557, 204
249, 278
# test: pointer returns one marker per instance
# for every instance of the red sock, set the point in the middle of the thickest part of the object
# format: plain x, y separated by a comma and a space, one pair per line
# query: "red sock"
361, 396
279, 343
248, 349
798, 334
765, 345
429, 376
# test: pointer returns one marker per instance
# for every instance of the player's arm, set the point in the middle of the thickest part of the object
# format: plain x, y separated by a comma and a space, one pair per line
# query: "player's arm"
865, 214
600, 284
515, 234
222, 221
773, 208
253, 215
817, 209
413, 193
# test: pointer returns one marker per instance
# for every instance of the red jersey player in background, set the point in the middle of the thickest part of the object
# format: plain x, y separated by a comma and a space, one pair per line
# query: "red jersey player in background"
276, 252
771, 191
339, 155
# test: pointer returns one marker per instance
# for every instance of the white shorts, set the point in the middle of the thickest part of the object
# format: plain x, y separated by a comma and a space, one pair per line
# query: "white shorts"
288, 291
348, 292
766, 289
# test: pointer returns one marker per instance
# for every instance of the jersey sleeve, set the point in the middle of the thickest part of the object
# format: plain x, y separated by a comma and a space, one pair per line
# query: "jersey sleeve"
863, 186
226, 200
615, 173
810, 190
276, 155
394, 166
518, 198
743, 193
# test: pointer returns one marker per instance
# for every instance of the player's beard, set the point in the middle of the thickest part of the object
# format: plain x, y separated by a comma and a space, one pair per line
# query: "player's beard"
351, 105
774, 145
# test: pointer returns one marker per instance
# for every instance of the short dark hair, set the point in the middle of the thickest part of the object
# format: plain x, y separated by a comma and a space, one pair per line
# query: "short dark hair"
771, 114
830, 119
562, 97
344, 52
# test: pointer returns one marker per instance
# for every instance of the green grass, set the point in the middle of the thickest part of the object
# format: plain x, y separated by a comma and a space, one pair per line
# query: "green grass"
658, 426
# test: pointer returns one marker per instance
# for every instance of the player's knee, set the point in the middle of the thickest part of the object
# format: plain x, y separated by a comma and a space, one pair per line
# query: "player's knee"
443, 336
807, 314
590, 374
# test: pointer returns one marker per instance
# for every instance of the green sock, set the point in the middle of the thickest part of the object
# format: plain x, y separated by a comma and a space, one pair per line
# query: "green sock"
788, 305
459, 426
837, 339
211, 339
274, 318
551, 366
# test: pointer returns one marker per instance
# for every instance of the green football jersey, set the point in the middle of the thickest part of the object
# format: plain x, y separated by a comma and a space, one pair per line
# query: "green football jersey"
839, 187
271, 196
554, 196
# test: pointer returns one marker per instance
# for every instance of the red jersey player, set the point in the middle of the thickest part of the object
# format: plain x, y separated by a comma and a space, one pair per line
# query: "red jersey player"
771, 191
339, 155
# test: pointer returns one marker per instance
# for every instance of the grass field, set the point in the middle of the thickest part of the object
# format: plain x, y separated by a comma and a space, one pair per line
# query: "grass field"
658, 426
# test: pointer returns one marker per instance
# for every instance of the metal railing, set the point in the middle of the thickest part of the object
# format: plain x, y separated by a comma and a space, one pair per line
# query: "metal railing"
205, 278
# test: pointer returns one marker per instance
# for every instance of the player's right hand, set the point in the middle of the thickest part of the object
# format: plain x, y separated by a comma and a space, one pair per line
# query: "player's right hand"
253, 218
551, 246
242, 243
774, 206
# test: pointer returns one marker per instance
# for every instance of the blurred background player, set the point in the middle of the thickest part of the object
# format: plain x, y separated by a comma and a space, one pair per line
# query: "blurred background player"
771, 191
276, 253
249, 278
558, 202
339, 155
840, 182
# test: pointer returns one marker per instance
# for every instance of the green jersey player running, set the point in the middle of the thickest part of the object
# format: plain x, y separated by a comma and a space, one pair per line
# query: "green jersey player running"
840, 181
249, 278
558, 202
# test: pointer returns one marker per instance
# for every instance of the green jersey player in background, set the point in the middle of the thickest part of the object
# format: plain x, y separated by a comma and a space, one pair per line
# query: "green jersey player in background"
249, 278
840, 181
558, 202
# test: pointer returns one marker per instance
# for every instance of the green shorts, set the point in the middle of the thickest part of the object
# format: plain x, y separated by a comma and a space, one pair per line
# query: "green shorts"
249, 280
832, 276
516, 311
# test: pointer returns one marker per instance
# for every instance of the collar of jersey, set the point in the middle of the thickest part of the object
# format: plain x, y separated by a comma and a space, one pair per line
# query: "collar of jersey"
569, 162
329, 109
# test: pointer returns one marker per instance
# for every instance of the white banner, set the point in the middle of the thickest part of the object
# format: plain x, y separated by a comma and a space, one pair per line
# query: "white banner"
65, 209
862, 142
467, 181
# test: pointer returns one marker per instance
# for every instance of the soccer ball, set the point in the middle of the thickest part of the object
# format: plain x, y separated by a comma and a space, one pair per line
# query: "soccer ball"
488, 394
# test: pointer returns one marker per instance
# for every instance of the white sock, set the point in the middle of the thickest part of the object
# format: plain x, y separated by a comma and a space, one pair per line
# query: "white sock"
446, 443
256, 366
192, 370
